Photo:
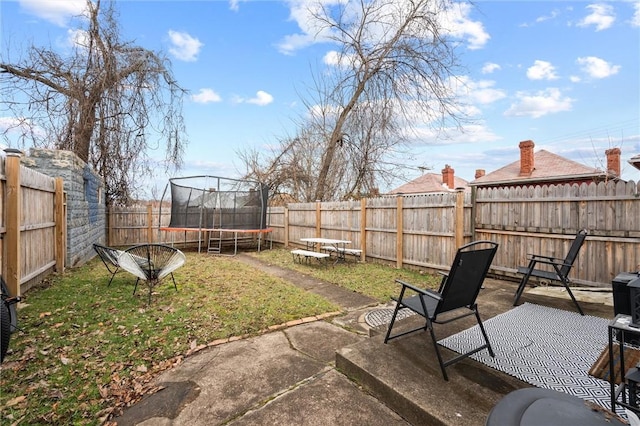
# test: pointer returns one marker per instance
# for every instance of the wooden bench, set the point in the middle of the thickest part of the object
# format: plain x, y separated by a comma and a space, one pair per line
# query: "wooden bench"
342, 250
306, 255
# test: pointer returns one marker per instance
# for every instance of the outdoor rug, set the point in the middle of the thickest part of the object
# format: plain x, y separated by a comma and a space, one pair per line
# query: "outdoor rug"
546, 347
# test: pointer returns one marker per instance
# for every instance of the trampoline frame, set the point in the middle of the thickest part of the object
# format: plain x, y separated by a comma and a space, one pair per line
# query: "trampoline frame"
264, 229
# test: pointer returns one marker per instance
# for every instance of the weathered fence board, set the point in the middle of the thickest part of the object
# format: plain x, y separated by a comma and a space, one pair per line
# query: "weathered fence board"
30, 233
425, 230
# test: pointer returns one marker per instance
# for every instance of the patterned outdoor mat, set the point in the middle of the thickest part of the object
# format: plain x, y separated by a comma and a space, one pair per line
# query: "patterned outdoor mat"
546, 347
378, 317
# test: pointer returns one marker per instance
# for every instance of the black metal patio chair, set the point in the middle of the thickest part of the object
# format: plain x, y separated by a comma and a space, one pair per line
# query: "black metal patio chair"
151, 263
109, 257
556, 269
458, 291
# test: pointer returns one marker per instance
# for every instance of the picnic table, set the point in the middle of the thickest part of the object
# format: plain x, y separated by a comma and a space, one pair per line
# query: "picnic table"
326, 246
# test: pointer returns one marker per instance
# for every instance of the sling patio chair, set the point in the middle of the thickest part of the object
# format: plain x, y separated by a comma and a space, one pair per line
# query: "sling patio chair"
109, 257
458, 291
555, 269
151, 263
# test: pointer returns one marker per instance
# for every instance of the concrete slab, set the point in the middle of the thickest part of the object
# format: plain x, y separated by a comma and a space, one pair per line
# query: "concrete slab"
320, 340
328, 399
225, 383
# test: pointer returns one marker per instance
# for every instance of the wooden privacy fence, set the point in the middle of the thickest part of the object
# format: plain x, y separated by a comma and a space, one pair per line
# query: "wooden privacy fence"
424, 231
33, 223
545, 220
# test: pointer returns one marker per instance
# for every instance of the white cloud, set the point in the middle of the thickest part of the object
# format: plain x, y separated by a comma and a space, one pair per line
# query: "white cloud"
481, 91
262, 98
601, 16
206, 96
333, 58
635, 20
235, 4
455, 21
490, 67
554, 13
459, 24
56, 11
184, 46
77, 37
15, 127
544, 102
301, 12
541, 70
470, 133
597, 68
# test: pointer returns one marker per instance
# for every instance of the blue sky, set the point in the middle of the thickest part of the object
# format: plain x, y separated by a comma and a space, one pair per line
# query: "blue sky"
563, 74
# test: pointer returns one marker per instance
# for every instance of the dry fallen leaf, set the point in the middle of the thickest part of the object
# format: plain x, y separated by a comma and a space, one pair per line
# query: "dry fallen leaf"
16, 400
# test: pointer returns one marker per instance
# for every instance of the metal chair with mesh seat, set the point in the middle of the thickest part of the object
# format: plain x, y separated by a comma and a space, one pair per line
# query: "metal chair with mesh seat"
458, 292
109, 257
151, 263
556, 269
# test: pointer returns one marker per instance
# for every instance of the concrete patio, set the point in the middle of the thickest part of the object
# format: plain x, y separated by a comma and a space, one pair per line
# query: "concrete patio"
338, 371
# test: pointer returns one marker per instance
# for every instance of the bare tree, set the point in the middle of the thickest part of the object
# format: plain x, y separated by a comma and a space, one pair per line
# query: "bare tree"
393, 64
394, 56
109, 101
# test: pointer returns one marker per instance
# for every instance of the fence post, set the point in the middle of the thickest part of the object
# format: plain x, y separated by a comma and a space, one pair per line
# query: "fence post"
149, 223
318, 218
474, 212
107, 213
286, 226
399, 230
363, 229
61, 225
14, 206
459, 225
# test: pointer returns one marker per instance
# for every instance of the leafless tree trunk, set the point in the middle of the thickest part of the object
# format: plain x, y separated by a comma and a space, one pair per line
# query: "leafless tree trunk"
108, 102
393, 66
395, 62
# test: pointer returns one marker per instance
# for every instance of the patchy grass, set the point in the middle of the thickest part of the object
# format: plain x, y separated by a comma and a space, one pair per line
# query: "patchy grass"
87, 349
373, 279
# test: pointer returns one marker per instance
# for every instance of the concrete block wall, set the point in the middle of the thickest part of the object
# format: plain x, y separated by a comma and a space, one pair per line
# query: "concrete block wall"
86, 207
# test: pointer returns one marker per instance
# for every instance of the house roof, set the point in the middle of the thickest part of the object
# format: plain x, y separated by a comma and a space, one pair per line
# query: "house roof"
548, 167
428, 182
635, 161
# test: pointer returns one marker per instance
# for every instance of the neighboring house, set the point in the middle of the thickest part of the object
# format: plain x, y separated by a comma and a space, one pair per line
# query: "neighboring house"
546, 168
635, 161
433, 182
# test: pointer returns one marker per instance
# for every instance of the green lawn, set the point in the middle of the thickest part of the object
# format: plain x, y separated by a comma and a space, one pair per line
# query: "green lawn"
86, 349
373, 279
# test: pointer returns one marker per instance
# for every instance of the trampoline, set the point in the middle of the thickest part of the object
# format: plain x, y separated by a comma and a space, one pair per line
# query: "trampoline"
222, 210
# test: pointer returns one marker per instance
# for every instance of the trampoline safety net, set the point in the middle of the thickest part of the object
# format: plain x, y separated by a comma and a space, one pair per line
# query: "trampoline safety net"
211, 202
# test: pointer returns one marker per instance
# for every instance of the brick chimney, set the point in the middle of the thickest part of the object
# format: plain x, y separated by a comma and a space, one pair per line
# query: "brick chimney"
479, 173
447, 176
613, 161
527, 165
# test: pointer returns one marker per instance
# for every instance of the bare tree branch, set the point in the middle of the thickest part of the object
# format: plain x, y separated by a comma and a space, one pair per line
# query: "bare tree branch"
393, 64
108, 102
